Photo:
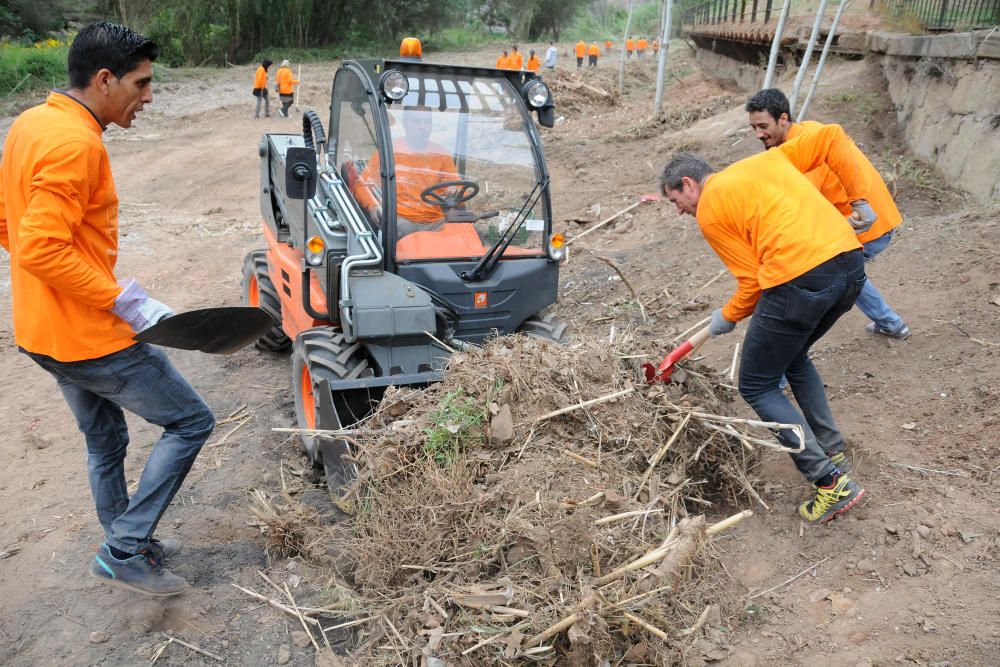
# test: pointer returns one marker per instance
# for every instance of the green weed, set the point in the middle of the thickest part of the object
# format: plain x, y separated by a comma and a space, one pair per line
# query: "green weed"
456, 423
25, 69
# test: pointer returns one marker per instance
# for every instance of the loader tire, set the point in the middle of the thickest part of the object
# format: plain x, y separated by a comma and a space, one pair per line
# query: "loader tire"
319, 354
259, 291
549, 327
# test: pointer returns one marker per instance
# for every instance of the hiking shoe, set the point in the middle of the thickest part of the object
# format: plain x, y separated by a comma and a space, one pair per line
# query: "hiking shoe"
142, 573
170, 547
832, 500
841, 461
902, 333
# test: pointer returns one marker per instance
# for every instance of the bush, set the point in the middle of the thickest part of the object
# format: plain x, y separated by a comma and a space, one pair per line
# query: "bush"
32, 68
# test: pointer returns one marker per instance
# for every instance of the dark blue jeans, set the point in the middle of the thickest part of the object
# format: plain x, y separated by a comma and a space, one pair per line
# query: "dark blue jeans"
788, 319
141, 380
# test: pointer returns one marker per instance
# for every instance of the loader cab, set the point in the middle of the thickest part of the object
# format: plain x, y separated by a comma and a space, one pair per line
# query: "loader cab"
444, 169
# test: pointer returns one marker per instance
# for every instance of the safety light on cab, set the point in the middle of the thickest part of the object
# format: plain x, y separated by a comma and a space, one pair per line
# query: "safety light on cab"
556, 248
394, 85
314, 250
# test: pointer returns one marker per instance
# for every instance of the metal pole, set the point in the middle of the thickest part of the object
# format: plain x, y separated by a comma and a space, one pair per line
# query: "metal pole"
621, 66
661, 66
822, 60
772, 61
807, 56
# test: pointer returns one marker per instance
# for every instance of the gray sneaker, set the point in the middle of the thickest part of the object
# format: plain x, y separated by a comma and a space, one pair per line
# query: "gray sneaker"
142, 573
902, 333
841, 461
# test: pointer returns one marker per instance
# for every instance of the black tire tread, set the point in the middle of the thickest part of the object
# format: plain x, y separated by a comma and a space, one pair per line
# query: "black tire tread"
274, 339
549, 327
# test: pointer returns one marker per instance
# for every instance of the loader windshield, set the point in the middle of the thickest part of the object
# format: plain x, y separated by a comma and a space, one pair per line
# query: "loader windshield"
464, 168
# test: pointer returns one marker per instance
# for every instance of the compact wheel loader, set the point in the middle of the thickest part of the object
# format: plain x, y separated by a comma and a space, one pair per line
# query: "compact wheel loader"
417, 222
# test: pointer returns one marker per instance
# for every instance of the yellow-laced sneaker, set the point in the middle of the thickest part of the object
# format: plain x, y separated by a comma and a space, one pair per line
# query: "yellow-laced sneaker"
842, 462
831, 501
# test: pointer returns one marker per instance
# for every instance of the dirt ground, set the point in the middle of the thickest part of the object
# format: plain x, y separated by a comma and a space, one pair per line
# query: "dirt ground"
909, 577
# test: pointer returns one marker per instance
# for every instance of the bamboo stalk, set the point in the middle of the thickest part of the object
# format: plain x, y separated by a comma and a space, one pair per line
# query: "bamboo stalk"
603, 222
553, 630
663, 450
585, 404
581, 459
652, 629
624, 515
273, 603
302, 619
194, 648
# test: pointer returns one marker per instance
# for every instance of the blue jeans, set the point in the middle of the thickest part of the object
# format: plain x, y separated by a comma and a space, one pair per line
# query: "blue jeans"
788, 319
870, 300
141, 380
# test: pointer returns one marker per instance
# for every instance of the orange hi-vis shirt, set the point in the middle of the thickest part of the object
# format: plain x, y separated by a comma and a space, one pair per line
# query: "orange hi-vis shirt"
533, 64
630, 44
260, 78
503, 62
830, 186
656, 45
607, 44
581, 49
768, 223
642, 44
59, 220
286, 83
415, 172
594, 50
516, 60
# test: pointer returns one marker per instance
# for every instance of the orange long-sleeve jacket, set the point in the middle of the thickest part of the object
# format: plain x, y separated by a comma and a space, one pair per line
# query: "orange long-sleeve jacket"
516, 60
286, 82
415, 171
581, 49
768, 223
830, 186
607, 44
59, 220
594, 50
533, 64
656, 45
630, 44
503, 62
260, 78
642, 44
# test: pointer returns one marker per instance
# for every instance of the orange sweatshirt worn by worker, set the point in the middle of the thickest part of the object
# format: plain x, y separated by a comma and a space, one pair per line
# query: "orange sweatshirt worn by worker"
607, 45
769, 224
533, 63
286, 83
830, 186
415, 171
59, 220
260, 78
503, 62
630, 45
656, 46
516, 60
581, 49
594, 50
642, 44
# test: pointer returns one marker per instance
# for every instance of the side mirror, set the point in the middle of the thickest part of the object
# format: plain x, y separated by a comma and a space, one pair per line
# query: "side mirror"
300, 173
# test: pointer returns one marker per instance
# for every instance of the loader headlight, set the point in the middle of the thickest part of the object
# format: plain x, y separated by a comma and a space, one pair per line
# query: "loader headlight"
394, 85
314, 251
556, 247
537, 94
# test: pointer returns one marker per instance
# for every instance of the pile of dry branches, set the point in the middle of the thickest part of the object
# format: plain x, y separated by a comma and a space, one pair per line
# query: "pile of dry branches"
539, 503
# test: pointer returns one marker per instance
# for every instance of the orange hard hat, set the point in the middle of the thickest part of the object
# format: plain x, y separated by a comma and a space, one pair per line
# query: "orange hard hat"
410, 48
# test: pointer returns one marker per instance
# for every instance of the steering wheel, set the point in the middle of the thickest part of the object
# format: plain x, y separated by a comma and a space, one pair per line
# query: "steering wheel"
467, 190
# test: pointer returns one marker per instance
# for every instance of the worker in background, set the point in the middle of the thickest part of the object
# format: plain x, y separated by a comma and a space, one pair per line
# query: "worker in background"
59, 221
420, 164
581, 51
629, 47
286, 86
503, 62
770, 118
641, 46
592, 54
550, 56
260, 88
607, 45
799, 267
656, 46
533, 62
516, 58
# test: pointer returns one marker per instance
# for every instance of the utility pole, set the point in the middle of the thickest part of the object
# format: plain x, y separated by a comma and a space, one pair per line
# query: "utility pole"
822, 60
772, 61
621, 65
807, 56
666, 26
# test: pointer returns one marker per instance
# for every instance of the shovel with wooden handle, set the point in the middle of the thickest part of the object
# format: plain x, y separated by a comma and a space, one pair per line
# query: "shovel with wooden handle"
666, 367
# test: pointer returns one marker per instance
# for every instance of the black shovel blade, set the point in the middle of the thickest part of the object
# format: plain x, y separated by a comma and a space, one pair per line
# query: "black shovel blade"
212, 330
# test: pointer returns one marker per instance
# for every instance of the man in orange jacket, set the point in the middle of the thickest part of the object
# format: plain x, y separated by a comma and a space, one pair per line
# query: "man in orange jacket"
286, 86
799, 268
260, 88
629, 47
59, 221
503, 62
581, 50
640, 46
593, 53
516, 58
770, 117
607, 45
533, 62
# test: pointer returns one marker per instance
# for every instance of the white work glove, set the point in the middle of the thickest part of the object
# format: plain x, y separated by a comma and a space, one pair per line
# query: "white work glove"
135, 307
863, 216
719, 324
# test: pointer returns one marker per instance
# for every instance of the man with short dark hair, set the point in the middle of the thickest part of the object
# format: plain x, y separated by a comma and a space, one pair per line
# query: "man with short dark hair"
770, 118
59, 221
798, 267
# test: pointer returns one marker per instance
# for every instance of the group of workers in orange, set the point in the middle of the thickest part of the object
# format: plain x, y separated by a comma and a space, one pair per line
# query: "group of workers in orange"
795, 226
285, 87
514, 59
639, 46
